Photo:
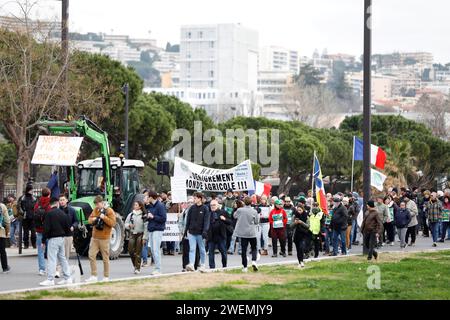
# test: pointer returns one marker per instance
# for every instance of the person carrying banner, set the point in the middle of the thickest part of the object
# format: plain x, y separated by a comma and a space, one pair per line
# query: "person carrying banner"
278, 221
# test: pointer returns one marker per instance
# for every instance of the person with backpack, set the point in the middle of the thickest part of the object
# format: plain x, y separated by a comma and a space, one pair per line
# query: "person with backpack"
4, 233
402, 218
136, 223
41, 207
25, 205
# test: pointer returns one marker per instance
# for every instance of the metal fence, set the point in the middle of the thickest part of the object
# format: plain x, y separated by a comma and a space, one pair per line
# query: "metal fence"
36, 192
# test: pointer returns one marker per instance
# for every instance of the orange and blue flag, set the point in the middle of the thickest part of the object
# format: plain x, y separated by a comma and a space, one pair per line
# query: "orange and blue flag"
320, 189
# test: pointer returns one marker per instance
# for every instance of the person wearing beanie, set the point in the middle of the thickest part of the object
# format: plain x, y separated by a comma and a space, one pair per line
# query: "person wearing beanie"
290, 211
371, 229
278, 221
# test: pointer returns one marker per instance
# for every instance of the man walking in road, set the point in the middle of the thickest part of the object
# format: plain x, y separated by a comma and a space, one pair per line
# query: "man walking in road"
56, 228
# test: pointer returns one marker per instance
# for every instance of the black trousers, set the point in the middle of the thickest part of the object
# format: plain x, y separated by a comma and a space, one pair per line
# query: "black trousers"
388, 234
411, 232
185, 257
424, 224
28, 227
244, 243
289, 237
370, 241
317, 242
3, 257
300, 245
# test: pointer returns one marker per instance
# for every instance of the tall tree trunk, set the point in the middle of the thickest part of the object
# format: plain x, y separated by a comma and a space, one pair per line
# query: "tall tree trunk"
20, 176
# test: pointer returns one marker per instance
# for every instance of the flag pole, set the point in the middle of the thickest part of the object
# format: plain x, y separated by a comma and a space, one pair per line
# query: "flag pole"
353, 163
313, 178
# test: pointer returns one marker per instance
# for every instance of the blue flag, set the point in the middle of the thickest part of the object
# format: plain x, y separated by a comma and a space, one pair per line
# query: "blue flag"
358, 149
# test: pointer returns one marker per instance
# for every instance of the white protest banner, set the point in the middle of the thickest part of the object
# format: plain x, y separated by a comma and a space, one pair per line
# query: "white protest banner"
196, 177
57, 150
178, 189
172, 232
265, 211
377, 179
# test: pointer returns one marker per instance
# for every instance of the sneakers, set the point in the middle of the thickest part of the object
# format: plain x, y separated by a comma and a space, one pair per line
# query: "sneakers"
67, 281
47, 283
244, 270
155, 273
41, 272
290, 253
274, 255
283, 254
392, 243
202, 268
442, 240
7, 270
258, 257
92, 279
136, 271
264, 253
434, 244
105, 279
145, 265
57, 275
375, 255
254, 266
301, 265
190, 268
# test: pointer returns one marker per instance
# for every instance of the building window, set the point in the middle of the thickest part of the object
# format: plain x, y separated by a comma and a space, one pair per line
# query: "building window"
182, 94
200, 34
211, 44
211, 73
189, 35
236, 95
211, 84
204, 95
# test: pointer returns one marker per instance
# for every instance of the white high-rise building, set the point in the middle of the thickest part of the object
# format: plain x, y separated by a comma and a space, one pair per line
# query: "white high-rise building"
273, 58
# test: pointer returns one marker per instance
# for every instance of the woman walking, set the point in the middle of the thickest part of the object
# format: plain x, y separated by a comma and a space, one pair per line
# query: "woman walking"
445, 217
136, 223
302, 234
247, 219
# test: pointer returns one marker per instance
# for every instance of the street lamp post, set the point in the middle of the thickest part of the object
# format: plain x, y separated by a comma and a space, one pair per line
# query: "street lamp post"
367, 101
126, 89
65, 53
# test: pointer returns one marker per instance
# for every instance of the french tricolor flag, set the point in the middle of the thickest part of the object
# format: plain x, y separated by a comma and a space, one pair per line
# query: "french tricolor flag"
261, 189
377, 155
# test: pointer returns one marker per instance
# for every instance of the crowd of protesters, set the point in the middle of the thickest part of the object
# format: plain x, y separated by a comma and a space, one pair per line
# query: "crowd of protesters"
234, 222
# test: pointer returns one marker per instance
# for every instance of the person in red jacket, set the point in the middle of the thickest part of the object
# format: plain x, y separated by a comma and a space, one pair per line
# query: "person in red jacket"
278, 220
41, 207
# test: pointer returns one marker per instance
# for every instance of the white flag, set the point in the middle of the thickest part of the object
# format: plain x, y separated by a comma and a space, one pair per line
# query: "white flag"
360, 218
377, 179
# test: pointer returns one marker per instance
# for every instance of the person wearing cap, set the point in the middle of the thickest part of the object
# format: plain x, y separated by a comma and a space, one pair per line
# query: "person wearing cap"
434, 209
413, 210
290, 211
278, 221
339, 225
371, 229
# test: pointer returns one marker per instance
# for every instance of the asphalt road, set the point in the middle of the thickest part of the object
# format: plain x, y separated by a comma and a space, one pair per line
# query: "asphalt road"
24, 269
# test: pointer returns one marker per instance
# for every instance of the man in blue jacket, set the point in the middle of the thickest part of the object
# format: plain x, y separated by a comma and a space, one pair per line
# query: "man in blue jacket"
53, 184
197, 226
157, 216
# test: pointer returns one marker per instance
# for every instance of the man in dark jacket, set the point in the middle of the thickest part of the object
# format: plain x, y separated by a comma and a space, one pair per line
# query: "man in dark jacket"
197, 225
371, 228
217, 234
25, 205
53, 184
56, 228
339, 225
290, 212
157, 216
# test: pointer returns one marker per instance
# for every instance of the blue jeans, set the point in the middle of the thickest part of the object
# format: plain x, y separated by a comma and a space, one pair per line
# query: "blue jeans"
232, 244
354, 232
14, 227
434, 226
155, 239
265, 235
144, 255
328, 239
336, 235
56, 253
195, 240
221, 245
41, 259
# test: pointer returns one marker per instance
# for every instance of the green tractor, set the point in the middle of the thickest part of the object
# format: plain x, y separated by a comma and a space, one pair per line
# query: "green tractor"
99, 176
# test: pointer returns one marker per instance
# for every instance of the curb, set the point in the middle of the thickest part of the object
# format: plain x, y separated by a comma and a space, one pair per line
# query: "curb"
270, 264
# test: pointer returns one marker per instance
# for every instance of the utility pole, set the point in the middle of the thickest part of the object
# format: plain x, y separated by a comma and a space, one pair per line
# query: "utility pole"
126, 89
65, 54
367, 102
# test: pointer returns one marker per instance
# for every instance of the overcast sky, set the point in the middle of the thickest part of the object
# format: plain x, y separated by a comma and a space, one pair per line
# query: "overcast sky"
398, 25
